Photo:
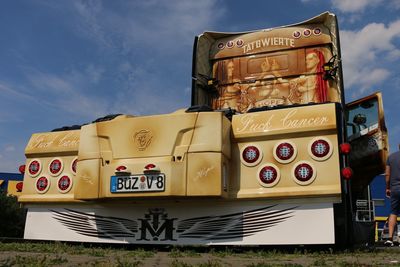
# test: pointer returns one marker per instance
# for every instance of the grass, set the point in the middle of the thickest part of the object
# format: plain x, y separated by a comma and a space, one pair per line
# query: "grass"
60, 254
209, 263
141, 253
33, 261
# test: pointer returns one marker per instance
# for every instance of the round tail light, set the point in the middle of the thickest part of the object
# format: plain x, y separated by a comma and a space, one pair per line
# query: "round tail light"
347, 173
345, 148
320, 149
34, 167
19, 186
42, 185
73, 166
55, 167
64, 184
268, 175
21, 169
251, 155
304, 173
285, 152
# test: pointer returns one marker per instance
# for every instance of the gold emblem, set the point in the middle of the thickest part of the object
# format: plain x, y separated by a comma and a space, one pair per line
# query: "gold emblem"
143, 139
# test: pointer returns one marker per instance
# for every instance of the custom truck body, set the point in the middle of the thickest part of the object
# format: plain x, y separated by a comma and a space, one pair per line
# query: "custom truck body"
261, 158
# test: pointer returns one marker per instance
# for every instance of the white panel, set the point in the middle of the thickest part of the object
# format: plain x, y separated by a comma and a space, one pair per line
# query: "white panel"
217, 223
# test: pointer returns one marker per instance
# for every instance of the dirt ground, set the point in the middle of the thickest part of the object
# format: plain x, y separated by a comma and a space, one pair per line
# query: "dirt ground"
57, 254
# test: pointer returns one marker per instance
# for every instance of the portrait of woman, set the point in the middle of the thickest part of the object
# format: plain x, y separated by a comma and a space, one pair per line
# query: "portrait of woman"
312, 87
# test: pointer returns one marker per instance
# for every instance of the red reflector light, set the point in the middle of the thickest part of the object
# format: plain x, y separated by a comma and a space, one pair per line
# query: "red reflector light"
64, 184
345, 148
42, 184
19, 186
73, 165
55, 166
149, 166
285, 152
269, 175
34, 167
120, 168
347, 173
251, 155
21, 169
304, 173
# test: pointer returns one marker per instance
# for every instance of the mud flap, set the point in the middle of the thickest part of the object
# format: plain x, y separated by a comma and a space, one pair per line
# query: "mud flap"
363, 234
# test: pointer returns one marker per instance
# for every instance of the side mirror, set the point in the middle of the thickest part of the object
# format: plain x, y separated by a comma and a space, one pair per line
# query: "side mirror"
360, 119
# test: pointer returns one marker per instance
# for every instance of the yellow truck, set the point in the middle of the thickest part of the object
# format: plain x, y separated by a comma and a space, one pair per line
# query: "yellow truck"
268, 154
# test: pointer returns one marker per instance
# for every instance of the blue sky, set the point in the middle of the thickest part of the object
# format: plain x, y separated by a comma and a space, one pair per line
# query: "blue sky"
70, 62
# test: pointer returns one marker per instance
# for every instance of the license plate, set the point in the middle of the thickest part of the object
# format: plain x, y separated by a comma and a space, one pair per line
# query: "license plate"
138, 183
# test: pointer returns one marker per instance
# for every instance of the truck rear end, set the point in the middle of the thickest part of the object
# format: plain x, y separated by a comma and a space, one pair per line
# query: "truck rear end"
256, 160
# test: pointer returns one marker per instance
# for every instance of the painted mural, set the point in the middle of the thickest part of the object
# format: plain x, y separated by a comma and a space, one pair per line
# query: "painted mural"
281, 78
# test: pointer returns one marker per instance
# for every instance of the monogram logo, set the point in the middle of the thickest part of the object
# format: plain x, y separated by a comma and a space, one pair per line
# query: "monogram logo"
143, 139
157, 225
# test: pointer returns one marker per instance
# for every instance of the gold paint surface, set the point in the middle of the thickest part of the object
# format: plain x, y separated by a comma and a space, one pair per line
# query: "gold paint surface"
271, 40
246, 179
283, 121
204, 174
147, 136
198, 155
12, 189
87, 179
29, 193
53, 142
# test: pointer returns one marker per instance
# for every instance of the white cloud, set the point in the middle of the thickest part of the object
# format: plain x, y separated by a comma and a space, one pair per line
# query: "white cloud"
352, 6
49, 82
90, 11
9, 148
66, 92
157, 23
365, 52
94, 73
142, 44
15, 99
8, 91
147, 42
395, 4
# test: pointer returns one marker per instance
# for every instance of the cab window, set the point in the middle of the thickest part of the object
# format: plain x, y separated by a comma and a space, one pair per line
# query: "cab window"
362, 118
